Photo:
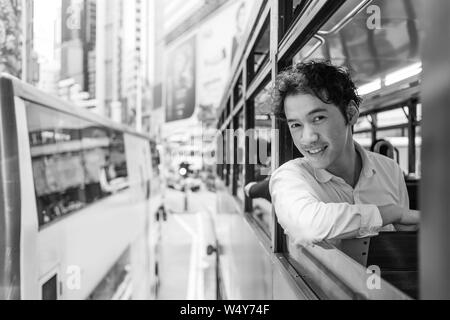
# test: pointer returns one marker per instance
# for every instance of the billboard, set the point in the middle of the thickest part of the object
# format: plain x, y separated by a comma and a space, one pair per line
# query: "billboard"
219, 39
181, 81
205, 56
73, 22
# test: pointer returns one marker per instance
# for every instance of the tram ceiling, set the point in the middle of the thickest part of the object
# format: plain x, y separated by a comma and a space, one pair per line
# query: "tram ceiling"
372, 54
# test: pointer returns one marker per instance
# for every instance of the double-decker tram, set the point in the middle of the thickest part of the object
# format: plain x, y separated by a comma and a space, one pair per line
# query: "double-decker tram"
379, 43
79, 202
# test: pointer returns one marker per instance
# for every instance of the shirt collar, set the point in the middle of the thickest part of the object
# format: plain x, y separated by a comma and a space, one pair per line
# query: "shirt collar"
368, 169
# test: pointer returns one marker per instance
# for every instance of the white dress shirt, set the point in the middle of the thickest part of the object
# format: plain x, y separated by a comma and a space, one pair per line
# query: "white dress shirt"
313, 205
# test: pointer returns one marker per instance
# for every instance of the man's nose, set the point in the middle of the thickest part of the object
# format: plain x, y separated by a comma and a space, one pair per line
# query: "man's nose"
309, 136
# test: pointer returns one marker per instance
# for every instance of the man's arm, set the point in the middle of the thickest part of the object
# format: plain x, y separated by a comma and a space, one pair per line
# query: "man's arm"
258, 190
309, 220
403, 218
410, 218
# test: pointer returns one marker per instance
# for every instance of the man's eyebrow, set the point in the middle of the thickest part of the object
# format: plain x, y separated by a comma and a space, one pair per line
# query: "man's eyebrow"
310, 113
316, 111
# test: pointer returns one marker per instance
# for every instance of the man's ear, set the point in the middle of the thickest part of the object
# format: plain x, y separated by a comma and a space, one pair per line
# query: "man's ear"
352, 113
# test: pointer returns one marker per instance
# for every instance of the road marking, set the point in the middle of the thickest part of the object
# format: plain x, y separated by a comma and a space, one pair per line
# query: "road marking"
201, 246
184, 225
193, 264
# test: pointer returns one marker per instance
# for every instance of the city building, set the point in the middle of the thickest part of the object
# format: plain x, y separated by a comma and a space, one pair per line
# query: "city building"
194, 46
77, 47
16, 40
123, 58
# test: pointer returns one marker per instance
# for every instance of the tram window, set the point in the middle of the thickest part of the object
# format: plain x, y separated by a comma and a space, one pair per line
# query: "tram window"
363, 123
364, 139
392, 48
228, 152
398, 138
260, 52
343, 11
289, 11
219, 155
419, 112
391, 117
239, 154
418, 172
223, 172
261, 208
263, 126
238, 90
312, 50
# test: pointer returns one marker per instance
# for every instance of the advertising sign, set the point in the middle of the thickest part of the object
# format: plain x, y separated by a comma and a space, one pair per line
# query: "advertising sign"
181, 81
218, 40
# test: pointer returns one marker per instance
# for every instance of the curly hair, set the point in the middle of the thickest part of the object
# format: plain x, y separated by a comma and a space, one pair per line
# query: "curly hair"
329, 83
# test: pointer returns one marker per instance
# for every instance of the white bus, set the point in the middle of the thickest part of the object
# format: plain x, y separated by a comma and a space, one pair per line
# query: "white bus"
79, 199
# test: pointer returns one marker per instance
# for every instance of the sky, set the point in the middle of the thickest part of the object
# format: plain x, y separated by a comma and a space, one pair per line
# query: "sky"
45, 15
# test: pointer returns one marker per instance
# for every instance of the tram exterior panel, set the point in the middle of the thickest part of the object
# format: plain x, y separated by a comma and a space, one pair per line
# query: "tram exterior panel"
255, 249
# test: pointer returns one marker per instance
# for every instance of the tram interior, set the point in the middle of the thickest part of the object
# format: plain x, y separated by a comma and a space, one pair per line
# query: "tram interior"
388, 80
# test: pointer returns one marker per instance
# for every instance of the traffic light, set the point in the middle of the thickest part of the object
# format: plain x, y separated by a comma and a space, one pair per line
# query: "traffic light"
185, 169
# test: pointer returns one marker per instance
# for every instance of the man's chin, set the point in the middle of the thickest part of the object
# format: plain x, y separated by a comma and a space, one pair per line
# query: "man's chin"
319, 165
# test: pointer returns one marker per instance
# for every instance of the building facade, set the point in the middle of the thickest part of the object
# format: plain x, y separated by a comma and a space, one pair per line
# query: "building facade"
194, 48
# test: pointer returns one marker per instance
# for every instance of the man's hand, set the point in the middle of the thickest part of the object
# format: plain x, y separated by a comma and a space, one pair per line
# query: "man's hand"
392, 214
409, 222
248, 187
411, 217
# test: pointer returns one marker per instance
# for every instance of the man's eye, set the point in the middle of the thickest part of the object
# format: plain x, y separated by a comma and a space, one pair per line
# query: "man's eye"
295, 125
318, 118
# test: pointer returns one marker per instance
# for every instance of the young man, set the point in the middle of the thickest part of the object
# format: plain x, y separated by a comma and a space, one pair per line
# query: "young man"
338, 190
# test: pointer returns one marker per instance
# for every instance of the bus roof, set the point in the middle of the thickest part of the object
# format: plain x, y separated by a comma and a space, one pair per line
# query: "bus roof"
32, 94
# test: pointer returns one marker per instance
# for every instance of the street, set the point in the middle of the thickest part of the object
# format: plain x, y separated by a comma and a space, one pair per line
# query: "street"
186, 272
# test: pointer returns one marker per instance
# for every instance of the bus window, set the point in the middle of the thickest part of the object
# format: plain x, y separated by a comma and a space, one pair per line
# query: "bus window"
74, 162
57, 162
115, 166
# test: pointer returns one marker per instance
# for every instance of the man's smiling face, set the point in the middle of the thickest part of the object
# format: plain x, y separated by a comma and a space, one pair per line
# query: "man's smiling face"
318, 129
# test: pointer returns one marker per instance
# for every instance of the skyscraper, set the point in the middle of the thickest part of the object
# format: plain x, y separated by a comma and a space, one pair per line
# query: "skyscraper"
78, 39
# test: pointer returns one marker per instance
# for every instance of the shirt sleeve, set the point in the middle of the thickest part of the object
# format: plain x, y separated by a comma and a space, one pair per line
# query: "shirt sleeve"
403, 199
307, 220
403, 191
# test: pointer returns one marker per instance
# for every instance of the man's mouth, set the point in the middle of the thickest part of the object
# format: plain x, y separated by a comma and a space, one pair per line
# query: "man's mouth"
316, 151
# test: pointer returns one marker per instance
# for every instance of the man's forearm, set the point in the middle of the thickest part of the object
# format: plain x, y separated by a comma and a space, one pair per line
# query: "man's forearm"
392, 214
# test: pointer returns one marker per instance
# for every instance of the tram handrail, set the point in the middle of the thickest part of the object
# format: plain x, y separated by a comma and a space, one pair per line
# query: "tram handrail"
315, 47
338, 26
349, 276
